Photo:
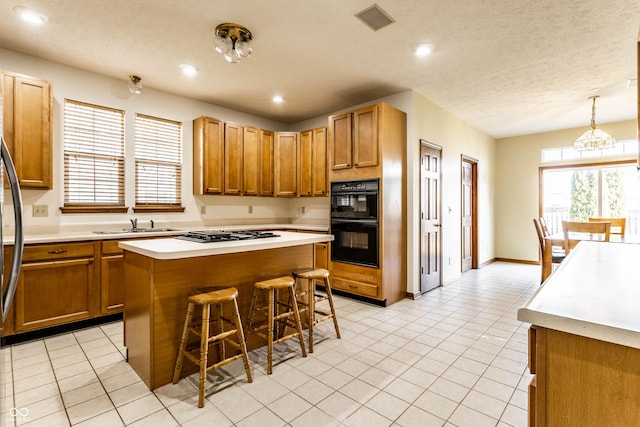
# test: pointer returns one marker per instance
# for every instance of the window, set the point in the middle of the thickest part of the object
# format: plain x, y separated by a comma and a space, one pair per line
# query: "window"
621, 148
601, 190
93, 158
158, 165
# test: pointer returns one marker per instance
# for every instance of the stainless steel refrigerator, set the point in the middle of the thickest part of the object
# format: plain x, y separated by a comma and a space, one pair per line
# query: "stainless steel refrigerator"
9, 284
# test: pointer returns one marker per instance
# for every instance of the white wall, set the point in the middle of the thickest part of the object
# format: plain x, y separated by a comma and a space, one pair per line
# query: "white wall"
518, 160
89, 87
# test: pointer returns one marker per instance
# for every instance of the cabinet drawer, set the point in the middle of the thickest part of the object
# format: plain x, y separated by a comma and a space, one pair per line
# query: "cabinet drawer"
110, 247
57, 251
366, 289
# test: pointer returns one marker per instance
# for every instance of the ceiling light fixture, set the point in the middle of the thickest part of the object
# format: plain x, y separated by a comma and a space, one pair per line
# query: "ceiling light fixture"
277, 99
594, 138
424, 49
31, 16
233, 41
135, 84
189, 70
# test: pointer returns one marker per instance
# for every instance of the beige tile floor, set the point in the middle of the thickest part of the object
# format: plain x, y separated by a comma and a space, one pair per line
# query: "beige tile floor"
455, 357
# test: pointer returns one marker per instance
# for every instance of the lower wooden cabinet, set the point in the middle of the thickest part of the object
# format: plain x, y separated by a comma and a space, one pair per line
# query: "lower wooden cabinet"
111, 277
57, 284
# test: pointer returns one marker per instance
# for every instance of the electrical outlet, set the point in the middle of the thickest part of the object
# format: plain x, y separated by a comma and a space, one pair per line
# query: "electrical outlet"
250, 209
203, 210
40, 210
303, 209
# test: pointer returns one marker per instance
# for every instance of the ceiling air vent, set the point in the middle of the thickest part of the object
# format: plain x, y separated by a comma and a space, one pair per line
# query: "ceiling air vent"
374, 17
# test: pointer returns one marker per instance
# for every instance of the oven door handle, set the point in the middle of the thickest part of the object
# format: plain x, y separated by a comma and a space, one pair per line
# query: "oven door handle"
354, 221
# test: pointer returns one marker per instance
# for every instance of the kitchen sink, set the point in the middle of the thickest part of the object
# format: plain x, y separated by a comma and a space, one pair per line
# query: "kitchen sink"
136, 230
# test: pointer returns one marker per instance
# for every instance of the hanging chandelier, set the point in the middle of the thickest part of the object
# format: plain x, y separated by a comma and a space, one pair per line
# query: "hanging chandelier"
594, 138
233, 41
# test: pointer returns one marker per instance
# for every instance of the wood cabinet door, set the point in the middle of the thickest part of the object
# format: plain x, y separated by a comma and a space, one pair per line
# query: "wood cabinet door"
319, 166
55, 292
365, 139
111, 284
232, 158
27, 110
266, 163
340, 141
306, 168
286, 164
208, 156
250, 161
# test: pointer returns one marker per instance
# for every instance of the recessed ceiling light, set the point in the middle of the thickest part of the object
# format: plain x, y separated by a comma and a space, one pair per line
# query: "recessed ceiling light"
424, 49
278, 99
31, 16
189, 70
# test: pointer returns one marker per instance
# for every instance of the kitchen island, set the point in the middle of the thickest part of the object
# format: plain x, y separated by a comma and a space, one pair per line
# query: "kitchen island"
584, 343
160, 273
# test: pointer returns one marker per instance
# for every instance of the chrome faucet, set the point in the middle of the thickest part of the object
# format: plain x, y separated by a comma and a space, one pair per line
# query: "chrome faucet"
151, 221
134, 223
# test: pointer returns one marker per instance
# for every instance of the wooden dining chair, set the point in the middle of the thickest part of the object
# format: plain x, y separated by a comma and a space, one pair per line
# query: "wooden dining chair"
575, 231
618, 225
557, 253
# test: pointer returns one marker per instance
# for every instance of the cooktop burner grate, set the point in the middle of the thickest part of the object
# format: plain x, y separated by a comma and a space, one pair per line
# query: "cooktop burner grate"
206, 236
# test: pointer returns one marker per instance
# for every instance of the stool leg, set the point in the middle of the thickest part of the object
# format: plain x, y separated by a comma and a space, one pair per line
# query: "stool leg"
183, 344
271, 320
252, 305
221, 344
327, 288
204, 347
241, 341
296, 314
311, 313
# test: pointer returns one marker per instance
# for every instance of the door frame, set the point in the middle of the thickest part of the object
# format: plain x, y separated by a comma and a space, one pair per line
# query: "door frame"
474, 209
425, 143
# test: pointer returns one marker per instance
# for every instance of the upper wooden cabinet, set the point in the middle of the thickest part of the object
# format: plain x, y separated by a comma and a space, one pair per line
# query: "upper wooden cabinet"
208, 156
232, 159
313, 162
266, 163
286, 164
319, 185
27, 110
250, 161
353, 138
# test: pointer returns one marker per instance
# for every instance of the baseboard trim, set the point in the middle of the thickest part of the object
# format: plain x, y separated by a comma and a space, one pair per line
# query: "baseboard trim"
518, 261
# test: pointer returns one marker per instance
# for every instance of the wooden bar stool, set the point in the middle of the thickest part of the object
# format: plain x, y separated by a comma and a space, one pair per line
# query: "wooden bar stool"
274, 318
315, 316
223, 337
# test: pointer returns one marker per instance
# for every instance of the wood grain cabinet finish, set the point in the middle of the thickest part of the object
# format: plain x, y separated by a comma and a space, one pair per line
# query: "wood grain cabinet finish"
267, 143
208, 156
353, 138
57, 284
319, 174
286, 164
340, 141
250, 161
111, 277
27, 107
232, 159
306, 162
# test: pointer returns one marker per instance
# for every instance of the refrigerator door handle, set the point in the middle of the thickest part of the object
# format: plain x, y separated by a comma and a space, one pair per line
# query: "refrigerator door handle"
18, 247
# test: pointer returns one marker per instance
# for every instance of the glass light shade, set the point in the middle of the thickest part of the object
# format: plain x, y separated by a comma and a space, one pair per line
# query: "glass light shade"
243, 47
594, 139
223, 43
135, 85
232, 56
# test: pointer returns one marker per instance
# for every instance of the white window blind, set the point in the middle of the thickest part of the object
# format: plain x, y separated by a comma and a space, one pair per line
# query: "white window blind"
93, 155
158, 162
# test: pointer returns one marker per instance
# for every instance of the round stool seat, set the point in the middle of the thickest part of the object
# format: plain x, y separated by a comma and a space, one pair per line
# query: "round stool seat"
215, 297
317, 273
277, 283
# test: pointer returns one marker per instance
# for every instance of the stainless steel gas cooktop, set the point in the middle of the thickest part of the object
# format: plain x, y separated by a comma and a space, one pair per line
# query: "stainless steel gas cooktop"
206, 236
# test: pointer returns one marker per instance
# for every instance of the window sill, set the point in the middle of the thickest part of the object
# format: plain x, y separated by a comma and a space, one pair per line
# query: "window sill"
156, 209
93, 209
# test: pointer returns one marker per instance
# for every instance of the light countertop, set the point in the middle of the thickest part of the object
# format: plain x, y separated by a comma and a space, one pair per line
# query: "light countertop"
83, 233
595, 292
172, 248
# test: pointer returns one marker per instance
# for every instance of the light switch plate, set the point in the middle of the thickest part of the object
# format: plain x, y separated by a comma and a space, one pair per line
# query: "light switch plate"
40, 210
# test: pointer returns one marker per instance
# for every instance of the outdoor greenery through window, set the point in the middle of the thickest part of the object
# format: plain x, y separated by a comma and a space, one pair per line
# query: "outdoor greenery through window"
93, 158
603, 190
158, 164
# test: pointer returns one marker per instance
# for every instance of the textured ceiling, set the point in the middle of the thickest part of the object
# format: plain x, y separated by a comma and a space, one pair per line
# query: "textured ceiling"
509, 67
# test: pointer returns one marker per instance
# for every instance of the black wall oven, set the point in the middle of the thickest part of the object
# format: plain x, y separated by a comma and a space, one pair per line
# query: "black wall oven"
354, 222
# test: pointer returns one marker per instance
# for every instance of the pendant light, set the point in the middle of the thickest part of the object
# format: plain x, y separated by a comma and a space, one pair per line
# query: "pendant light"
594, 138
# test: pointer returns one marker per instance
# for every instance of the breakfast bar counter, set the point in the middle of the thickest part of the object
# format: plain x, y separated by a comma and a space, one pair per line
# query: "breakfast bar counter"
584, 342
160, 273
